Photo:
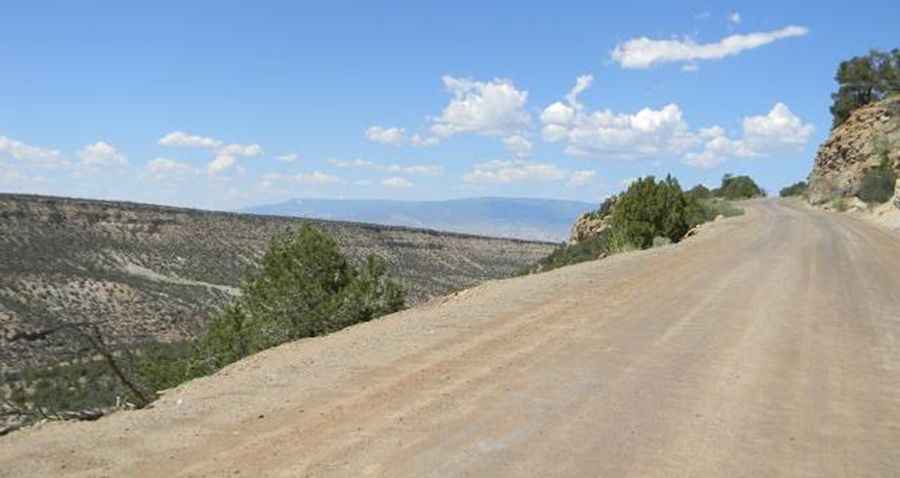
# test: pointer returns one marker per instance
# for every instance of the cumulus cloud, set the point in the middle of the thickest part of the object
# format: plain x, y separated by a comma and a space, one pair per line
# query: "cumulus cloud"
558, 113
510, 171
779, 128
186, 140
161, 169
777, 131
518, 146
644, 52
492, 108
101, 154
248, 150
646, 133
225, 155
654, 133
22, 151
221, 163
396, 182
386, 135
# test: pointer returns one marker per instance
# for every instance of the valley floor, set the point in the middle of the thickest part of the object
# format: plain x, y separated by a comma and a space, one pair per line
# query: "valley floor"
769, 345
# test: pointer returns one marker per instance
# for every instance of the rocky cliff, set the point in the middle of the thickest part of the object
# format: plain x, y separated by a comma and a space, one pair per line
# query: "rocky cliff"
870, 134
587, 226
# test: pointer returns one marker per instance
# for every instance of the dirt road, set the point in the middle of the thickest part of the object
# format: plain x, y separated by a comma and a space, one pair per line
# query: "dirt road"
767, 346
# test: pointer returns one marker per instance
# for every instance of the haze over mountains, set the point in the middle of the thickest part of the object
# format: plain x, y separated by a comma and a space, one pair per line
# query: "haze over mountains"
522, 218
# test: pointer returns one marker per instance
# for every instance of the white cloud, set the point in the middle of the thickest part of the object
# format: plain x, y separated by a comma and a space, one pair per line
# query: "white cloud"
221, 163
779, 130
554, 133
315, 178
518, 146
424, 141
734, 17
582, 83
580, 178
414, 169
22, 151
644, 52
493, 108
101, 154
386, 135
518, 170
186, 140
646, 133
225, 157
248, 150
654, 133
355, 163
558, 113
161, 169
396, 182
288, 158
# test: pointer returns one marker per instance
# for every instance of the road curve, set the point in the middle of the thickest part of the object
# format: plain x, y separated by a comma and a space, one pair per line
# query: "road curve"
769, 345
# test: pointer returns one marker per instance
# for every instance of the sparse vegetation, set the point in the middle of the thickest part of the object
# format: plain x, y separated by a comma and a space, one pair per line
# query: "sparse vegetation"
738, 187
651, 208
796, 189
863, 80
649, 213
305, 287
153, 278
877, 185
839, 204
661, 241
587, 250
156, 274
699, 192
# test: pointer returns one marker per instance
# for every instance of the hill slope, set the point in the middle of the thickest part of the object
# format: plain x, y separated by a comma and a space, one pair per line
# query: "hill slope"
766, 346
868, 137
536, 219
154, 273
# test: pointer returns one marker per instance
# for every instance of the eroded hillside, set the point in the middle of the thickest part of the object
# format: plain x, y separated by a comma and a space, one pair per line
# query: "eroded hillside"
867, 139
155, 273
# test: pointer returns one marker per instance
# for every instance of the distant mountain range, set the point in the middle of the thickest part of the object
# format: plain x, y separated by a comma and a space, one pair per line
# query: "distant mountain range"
523, 218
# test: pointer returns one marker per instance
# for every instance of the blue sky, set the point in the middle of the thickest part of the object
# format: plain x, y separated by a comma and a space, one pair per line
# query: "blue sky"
229, 104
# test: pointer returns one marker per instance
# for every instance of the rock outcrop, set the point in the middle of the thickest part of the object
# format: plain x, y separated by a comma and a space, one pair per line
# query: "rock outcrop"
860, 143
588, 225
